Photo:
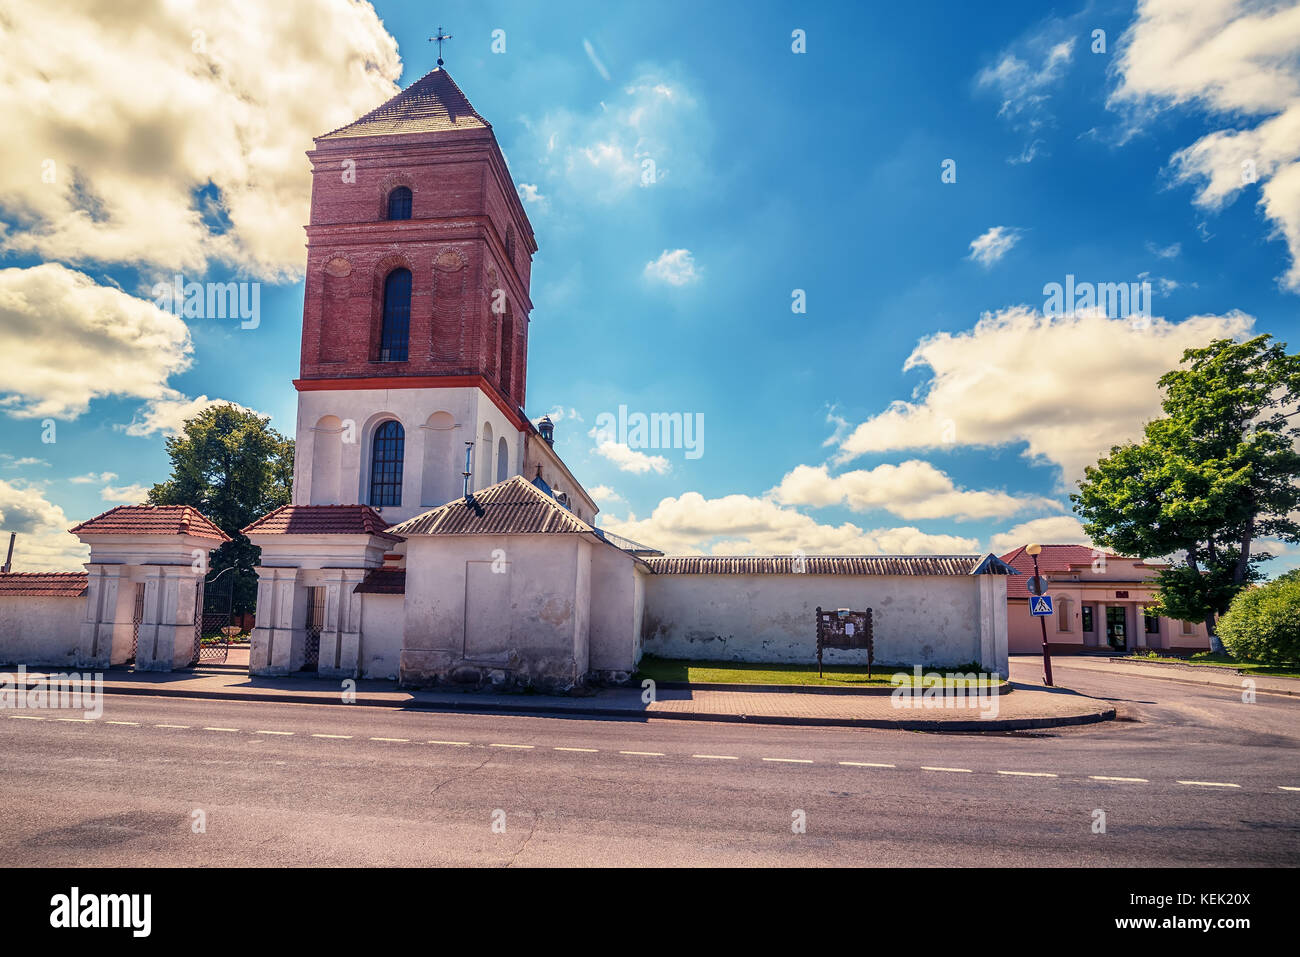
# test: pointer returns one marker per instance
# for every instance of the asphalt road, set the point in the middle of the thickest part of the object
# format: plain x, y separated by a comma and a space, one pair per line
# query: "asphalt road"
292, 784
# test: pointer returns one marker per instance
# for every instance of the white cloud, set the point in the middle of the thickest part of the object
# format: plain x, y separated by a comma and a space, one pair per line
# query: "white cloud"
1052, 530
1235, 59
1068, 387
66, 340
1023, 77
912, 490
127, 494
532, 196
742, 524
43, 542
992, 245
1165, 252
595, 60
13, 463
676, 267
603, 494
139, 111
93, 478
169, 413
630, 460
649, 134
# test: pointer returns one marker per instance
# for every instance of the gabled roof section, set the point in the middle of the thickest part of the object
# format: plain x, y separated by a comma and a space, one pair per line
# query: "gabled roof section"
382, 581
1054, 559
627, 545
43, 584
512, 507
815, 565
322, 520
152, 520
432, 104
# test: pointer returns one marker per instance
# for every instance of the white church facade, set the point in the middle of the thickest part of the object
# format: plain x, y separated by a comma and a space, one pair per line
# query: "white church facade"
434, 534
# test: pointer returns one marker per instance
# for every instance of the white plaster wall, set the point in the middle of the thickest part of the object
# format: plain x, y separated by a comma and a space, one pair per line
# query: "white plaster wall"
616, 593
366, 409
40, 630
382, 617
543, 583
918, 619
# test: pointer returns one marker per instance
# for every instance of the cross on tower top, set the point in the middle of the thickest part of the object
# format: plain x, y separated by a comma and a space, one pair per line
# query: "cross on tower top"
439, 40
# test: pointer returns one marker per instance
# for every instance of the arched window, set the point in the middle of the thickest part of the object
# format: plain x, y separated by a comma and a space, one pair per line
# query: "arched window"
503, 460
386, 455
397, 316
399, 203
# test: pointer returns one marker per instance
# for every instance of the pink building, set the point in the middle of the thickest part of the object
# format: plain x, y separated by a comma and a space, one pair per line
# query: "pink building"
1100, 601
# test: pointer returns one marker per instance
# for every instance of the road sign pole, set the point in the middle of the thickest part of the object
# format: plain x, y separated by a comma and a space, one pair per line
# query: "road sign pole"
1042, 621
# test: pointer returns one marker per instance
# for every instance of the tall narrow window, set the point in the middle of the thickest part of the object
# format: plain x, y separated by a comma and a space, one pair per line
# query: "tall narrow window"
503, 460
399, 203
386, 458
507, 362
397, 316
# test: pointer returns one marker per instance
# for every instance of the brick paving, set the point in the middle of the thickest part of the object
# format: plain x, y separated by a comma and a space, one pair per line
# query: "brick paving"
1029, 706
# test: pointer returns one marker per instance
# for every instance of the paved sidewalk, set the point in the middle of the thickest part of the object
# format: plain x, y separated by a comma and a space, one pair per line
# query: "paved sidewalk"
1187, 674
1031, 706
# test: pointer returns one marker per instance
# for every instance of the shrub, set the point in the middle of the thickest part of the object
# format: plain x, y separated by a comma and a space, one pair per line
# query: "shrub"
1263, 624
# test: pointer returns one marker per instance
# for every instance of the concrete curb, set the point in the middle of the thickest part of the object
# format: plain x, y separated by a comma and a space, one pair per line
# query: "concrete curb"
1206, 683
874, 691
896, 724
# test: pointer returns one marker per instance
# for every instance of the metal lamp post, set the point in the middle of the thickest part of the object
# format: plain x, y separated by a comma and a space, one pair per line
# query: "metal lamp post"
1033, 551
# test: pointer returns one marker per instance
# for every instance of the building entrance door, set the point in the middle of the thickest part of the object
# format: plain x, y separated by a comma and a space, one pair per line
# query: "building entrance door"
1116, 627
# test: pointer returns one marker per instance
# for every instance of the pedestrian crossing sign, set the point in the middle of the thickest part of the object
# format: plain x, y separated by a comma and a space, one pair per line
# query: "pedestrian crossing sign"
1040, 605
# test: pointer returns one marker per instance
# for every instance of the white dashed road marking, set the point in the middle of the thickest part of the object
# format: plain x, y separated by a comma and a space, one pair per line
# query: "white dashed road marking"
954, 770
171, 726
273, 732
458, 744
78, 720
398, 740
1099, 777
521, 747
716, 757
1028, 774
134, 724
1283, 787
584, 750
1210, 784
865, 764
645, 754
220, 729
789, 760
342, 737
27, 717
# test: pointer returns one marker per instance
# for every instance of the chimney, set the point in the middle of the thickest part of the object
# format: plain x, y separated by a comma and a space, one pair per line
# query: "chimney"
547, 428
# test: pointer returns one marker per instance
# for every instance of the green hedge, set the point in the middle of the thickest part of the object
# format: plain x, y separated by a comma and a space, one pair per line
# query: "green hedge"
1263, 624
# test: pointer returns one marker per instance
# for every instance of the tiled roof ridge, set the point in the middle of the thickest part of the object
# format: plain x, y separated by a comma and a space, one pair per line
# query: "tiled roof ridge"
189, 520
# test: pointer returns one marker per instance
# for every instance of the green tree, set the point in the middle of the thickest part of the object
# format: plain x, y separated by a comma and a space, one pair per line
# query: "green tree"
233, 467
1211, 477
1263, 624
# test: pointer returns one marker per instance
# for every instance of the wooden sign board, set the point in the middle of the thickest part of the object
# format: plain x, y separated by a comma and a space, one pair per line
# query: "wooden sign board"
843, 628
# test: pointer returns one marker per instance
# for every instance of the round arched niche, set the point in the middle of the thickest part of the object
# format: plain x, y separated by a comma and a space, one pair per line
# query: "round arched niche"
450, 260
338, 267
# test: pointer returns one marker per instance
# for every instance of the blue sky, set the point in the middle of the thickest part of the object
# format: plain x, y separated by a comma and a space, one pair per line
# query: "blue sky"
775, 171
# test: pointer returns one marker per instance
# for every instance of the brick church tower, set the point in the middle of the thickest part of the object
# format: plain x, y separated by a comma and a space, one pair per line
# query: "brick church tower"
415, 318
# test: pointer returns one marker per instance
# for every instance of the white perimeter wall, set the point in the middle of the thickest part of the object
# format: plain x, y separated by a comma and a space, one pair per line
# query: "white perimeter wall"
382, 617
40, 630
918, 619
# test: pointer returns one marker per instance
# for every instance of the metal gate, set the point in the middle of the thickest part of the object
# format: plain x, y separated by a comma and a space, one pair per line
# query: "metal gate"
213, 618
137, 616
315, 624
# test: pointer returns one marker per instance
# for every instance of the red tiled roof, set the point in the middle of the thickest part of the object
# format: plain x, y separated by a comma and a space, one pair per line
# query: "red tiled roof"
43, 584
383, 581
152, 520
431, 104
322, 520
1053, 559
512, 507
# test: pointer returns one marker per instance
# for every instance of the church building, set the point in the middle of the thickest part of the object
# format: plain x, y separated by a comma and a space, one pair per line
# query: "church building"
434, 534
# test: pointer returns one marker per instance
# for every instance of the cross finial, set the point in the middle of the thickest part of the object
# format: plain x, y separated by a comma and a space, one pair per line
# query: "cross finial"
439, 40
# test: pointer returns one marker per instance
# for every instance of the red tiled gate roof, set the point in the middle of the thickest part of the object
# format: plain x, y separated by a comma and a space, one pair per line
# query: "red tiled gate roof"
152, 520
322, 520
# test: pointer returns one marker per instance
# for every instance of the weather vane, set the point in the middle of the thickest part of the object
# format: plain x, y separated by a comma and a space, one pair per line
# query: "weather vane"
438, 40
